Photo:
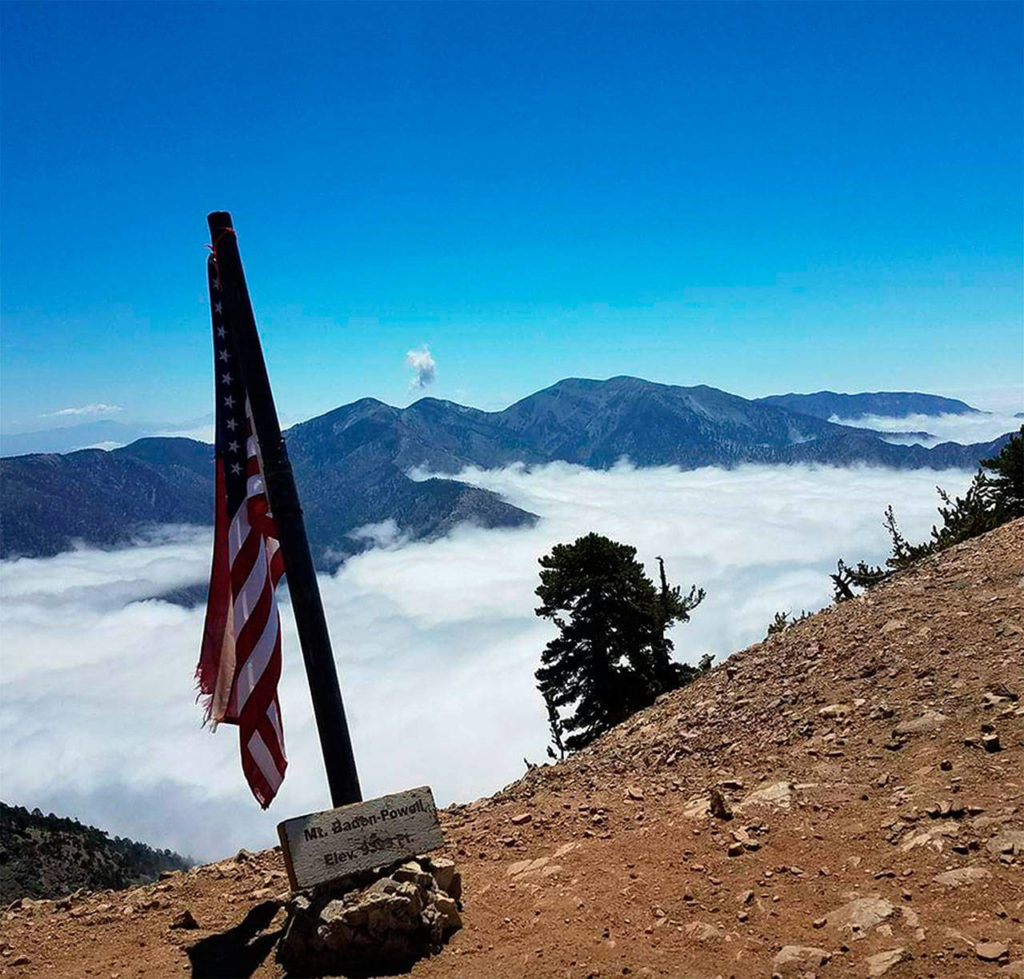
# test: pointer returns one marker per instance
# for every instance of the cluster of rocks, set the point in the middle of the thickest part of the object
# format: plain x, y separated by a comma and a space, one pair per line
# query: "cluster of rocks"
376, 923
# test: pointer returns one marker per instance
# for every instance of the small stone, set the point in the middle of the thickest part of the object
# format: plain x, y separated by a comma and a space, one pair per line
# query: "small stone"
412, 872
185, 920
521, 818
862, 913
819, 922
834, 710
961, 876
990, 742
735, 849
243, 856
882, 962
717, 805
778, 794
930, 720
635, 794
1010, 842
991, 951
701, 931
21, 960
946, 765
447, 876
449, 911
795, 960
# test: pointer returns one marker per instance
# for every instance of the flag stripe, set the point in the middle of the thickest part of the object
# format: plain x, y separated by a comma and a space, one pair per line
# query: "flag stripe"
240, 664
250, 670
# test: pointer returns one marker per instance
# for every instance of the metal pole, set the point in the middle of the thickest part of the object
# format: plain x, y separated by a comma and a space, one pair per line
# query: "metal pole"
328, 709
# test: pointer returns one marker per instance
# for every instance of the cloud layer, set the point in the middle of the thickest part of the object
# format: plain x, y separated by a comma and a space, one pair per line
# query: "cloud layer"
436, 641
965, 429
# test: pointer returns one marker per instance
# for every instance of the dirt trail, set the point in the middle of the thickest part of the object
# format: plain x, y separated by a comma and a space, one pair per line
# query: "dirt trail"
877, 828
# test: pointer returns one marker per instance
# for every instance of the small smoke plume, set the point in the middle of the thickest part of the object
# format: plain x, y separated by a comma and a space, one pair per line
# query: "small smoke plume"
424, 368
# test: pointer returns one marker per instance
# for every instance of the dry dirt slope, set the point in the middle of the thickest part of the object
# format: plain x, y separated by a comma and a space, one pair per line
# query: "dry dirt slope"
873, 828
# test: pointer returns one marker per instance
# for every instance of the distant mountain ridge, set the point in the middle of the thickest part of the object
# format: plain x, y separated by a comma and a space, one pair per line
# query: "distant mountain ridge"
884, 404
71, 437
352, 464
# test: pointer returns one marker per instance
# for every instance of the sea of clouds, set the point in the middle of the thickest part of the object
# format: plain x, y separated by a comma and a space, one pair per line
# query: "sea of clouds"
965, 429
436, 641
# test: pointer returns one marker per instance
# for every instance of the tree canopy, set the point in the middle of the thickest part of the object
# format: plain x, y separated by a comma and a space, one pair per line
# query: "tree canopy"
612, 656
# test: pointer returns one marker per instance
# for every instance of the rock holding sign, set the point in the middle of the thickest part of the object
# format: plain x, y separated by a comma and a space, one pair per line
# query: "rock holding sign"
339, 843
370, 900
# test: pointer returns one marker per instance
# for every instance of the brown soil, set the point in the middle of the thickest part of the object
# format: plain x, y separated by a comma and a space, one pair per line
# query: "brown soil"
619, 869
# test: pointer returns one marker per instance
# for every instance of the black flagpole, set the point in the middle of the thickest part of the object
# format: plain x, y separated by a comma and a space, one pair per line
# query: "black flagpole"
328, 708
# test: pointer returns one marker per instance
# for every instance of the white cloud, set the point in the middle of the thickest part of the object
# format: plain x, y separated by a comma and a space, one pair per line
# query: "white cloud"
89, 410
201, 433
965, 429
424, 368
436, 641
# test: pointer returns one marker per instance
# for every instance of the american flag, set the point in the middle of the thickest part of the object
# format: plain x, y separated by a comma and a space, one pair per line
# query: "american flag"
240, 663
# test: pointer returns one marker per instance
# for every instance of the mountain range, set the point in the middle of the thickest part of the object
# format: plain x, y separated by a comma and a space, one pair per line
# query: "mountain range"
879, 404
99, 433
353, 464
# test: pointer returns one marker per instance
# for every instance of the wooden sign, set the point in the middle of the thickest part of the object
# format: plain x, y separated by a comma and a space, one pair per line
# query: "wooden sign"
326, 845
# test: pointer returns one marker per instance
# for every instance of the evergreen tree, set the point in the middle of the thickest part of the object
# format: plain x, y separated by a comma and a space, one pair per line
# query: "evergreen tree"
555, 730
603, 667
1007, 479
670, 606
996, 495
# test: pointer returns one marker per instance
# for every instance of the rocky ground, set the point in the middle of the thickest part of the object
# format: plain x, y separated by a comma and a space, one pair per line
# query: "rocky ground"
865, 772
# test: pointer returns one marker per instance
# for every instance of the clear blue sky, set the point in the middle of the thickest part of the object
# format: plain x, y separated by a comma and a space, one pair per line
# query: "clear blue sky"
762, 197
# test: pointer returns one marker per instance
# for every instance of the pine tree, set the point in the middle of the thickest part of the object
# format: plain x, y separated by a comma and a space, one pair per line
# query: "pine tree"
611, 657
670, 606
1007, 479
996, 495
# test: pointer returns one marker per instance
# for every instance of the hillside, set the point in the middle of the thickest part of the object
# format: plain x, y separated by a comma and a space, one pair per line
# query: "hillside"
877, 826
49, 856
352, 464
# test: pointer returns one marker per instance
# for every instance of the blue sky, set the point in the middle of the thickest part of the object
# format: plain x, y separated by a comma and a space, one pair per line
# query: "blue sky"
762, 197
